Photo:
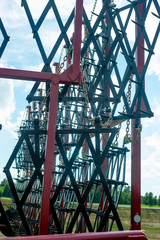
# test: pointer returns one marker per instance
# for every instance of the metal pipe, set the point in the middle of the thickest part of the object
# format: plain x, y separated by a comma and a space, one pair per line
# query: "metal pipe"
136, 147
48, 166
124, 235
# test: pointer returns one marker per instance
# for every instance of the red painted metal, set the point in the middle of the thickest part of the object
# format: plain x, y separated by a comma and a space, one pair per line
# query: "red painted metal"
136, 147
67, 77
48, 166
135, 179
77, 35
71, 75
29, 112
124, 235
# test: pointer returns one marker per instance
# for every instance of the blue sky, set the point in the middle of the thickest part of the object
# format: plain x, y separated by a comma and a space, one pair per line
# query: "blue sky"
22, 53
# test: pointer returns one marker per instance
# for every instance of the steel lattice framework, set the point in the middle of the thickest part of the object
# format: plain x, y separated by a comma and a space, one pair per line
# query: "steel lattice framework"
67, 152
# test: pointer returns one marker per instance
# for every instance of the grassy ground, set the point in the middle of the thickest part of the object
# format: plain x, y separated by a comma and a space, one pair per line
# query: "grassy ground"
150, 219
6, 202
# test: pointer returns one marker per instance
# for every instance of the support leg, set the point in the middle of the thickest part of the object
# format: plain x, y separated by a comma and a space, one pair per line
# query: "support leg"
136, 147
48, 166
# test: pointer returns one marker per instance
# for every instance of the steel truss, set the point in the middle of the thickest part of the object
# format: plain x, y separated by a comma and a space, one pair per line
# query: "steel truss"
85, 161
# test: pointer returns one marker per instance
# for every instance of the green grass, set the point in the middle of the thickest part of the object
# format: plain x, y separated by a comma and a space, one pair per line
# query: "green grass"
5, 199
148, 206
150, 218
150, 221
6, 202
142, 205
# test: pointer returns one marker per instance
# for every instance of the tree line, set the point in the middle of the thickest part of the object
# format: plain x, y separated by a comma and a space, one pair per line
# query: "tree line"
148, 199
5, 190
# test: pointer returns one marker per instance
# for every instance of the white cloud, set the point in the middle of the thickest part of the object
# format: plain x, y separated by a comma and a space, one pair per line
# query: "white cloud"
8, 108
13, 126
154, 64
121, 3
26, 86
153, 121
7, 101
15, 16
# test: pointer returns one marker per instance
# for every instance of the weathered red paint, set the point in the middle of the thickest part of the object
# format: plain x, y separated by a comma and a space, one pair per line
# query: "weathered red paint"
124, 235
48, 165
77, 35
74, 75
136, 147
71, 75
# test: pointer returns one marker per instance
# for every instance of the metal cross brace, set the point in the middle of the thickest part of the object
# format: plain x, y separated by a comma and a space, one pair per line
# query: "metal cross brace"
35, 28
37, 161
70, 76
6, 38
98, 161
101, 72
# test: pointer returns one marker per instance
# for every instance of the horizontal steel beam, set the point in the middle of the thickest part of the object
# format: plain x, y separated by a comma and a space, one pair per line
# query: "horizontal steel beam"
124, 235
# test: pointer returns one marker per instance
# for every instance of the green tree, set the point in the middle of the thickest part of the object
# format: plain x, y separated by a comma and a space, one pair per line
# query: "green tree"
5, 190
154, 200
146, 199
4, 182
142, 199
97, 194
158, 201
150, 199
127, 189
126, 196
1, 191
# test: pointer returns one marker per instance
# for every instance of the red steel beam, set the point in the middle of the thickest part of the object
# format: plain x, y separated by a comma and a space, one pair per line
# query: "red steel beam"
77, 36
48, 168
49, 160
124, 235
71, 75
67, 77
136, 147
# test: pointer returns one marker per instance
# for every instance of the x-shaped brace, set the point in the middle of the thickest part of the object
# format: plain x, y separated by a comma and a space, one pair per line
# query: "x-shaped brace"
71, 75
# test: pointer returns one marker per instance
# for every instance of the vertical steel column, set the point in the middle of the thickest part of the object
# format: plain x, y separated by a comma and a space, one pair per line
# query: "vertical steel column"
84, 178
136, 147
77, 36
48, 166
104, 165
